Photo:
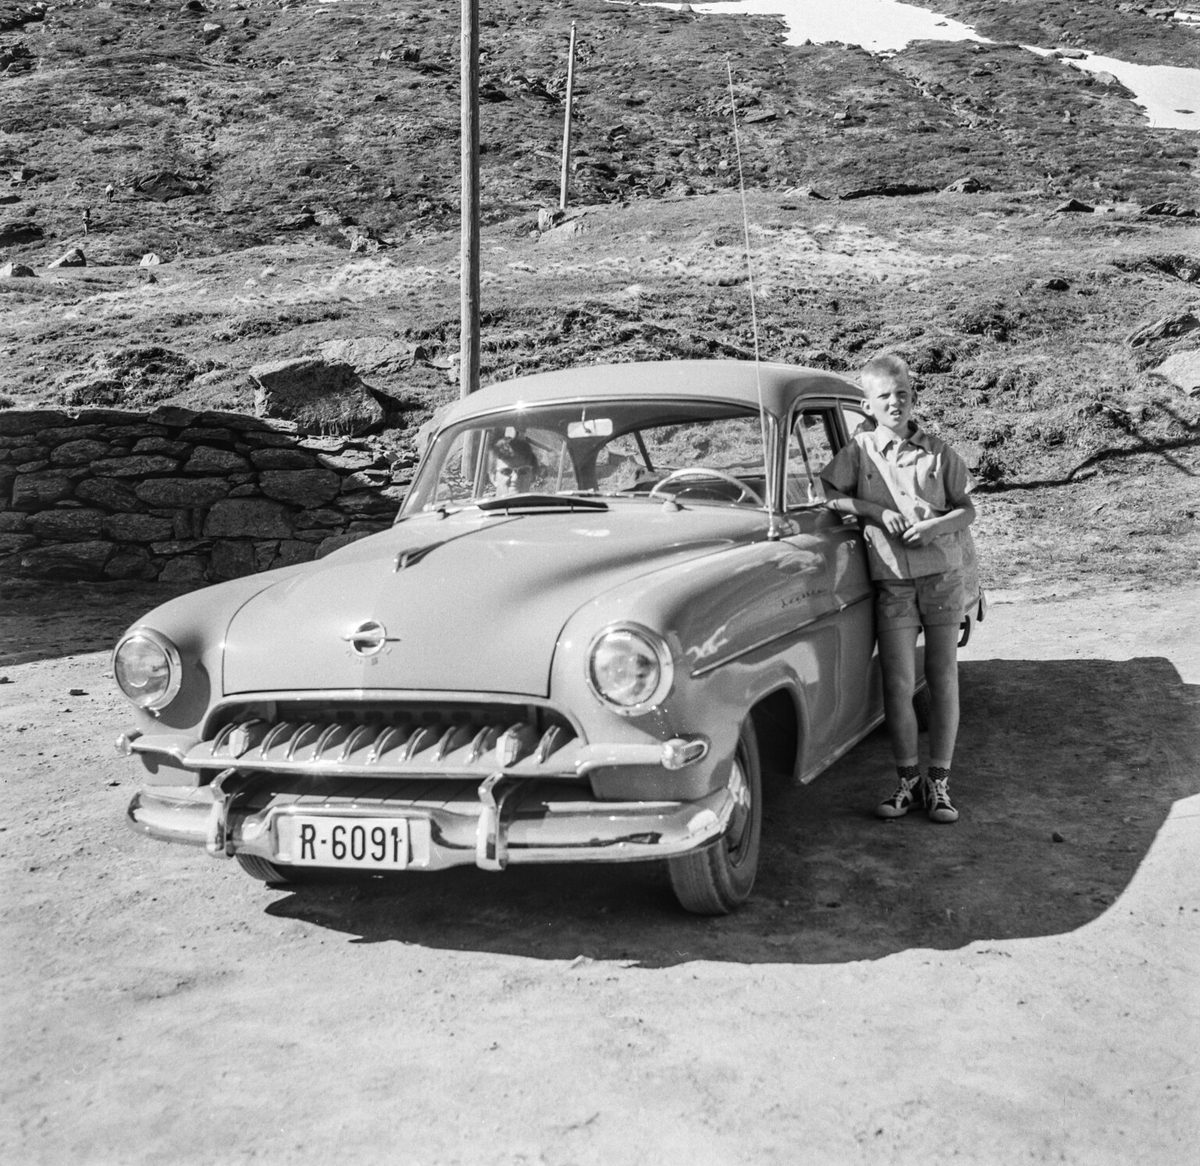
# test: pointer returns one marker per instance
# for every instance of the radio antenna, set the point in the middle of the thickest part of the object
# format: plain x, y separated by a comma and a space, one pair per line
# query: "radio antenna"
773, 531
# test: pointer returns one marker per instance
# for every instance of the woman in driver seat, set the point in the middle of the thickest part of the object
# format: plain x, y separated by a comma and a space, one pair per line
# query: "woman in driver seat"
513, 466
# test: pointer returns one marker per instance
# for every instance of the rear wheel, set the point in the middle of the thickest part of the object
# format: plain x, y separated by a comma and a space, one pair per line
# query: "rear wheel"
719, 879
261, 869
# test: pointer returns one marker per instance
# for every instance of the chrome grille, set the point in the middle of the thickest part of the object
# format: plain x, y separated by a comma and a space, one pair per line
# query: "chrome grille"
382, 742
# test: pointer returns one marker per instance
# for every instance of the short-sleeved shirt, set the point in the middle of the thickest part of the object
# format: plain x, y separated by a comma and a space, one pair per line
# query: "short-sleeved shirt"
921, 477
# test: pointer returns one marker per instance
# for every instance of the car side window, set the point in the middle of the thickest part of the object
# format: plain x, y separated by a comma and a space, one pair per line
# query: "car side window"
855, 420
810, 450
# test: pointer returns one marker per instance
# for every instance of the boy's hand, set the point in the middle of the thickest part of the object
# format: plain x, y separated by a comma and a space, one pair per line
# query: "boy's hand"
894, 523
920, 534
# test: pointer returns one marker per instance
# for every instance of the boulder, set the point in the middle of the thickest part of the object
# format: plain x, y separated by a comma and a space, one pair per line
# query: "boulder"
185, 569
73, 524
109, 493
283, 459
965, 185
73, 258
207, 460
305, 488
247, 518
39, 490
137, 528
164, 185
138, 466
17, 271
886, 190
1167, 328
1182, 369
11, 543
80, 560
23, 422
16, 234
319, 395
79, 453
292, 551
149, 260
131, 563
1170, 208
231, 560
1073, 206
180, 493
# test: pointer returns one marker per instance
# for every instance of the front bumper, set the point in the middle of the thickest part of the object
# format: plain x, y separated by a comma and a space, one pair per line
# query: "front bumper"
503, 820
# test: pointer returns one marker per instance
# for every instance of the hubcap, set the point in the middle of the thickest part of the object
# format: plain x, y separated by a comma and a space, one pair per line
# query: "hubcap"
739, 822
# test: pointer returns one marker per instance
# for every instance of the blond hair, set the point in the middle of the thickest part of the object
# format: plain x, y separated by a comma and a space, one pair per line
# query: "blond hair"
887, 366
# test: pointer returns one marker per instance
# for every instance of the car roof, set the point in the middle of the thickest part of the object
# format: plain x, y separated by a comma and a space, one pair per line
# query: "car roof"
735, 380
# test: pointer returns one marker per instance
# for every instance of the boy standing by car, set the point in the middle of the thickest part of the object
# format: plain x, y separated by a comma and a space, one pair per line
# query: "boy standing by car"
910, 488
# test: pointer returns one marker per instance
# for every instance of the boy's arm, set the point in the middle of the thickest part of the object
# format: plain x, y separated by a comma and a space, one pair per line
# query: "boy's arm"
840, 476
924, 532
962, 512
891, 520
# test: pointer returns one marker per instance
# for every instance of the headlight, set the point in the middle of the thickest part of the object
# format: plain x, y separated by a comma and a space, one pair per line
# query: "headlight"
630, 668
147, 667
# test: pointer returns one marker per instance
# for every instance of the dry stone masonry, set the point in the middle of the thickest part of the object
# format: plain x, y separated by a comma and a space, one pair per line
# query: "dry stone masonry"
182, 496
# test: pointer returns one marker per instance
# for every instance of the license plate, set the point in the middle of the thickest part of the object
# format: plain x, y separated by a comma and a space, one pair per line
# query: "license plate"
366, 843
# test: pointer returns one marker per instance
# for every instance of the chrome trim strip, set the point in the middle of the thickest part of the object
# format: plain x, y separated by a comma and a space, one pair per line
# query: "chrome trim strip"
327, 733
353, 741
297, 740
382, 741
531, 825
274, 735
420, 739
402, 700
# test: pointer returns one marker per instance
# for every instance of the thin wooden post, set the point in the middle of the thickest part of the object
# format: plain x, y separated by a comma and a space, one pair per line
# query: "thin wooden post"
566, 150
468, 372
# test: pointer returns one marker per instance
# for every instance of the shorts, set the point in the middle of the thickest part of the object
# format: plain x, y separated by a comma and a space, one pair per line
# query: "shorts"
927, 601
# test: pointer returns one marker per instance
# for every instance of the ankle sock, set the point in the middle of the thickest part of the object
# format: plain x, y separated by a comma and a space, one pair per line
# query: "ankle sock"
909, 773
939, 773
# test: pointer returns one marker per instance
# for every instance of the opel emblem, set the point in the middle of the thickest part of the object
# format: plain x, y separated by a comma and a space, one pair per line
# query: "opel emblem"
369, 638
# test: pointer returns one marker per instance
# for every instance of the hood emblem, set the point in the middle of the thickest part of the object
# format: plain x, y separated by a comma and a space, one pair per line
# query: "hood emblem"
369, 638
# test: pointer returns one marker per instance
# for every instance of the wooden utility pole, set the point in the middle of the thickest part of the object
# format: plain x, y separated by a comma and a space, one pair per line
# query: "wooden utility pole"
566, 151
468, 371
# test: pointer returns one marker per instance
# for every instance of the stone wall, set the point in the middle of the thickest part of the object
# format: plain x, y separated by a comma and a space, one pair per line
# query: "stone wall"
182, 496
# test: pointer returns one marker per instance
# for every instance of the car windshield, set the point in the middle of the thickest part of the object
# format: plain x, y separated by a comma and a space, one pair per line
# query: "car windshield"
706, 451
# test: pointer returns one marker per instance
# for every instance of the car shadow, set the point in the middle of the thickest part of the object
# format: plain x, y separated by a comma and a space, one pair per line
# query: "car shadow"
1064, 772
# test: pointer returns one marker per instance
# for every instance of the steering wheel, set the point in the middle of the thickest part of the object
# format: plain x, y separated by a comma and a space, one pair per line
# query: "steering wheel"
744, 491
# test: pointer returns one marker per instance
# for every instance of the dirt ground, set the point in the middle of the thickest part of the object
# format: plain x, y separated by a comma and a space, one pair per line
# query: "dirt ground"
895, 993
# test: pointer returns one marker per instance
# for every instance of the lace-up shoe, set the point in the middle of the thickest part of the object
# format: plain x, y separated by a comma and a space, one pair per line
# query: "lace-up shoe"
908, 795
937, 799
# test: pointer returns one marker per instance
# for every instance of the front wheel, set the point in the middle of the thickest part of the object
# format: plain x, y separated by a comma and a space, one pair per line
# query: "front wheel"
264, 870
720, 878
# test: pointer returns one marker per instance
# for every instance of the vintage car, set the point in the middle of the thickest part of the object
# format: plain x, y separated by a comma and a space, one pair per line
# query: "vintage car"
611, 599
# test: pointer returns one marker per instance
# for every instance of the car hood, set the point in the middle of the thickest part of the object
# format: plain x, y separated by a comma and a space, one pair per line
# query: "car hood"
468, 602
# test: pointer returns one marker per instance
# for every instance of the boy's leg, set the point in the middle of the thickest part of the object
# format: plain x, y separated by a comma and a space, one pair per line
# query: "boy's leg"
898, 662
897, 659
941, 671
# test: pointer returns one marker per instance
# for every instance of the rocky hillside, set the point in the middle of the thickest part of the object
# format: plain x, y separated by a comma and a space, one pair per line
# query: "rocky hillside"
288, 174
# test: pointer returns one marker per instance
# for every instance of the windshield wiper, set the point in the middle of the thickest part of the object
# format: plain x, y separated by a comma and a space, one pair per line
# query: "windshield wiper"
541, 502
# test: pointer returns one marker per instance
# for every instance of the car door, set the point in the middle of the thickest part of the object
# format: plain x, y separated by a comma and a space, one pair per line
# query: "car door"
838, 670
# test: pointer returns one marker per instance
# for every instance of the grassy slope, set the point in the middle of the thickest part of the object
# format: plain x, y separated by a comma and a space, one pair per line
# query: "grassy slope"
293, 135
